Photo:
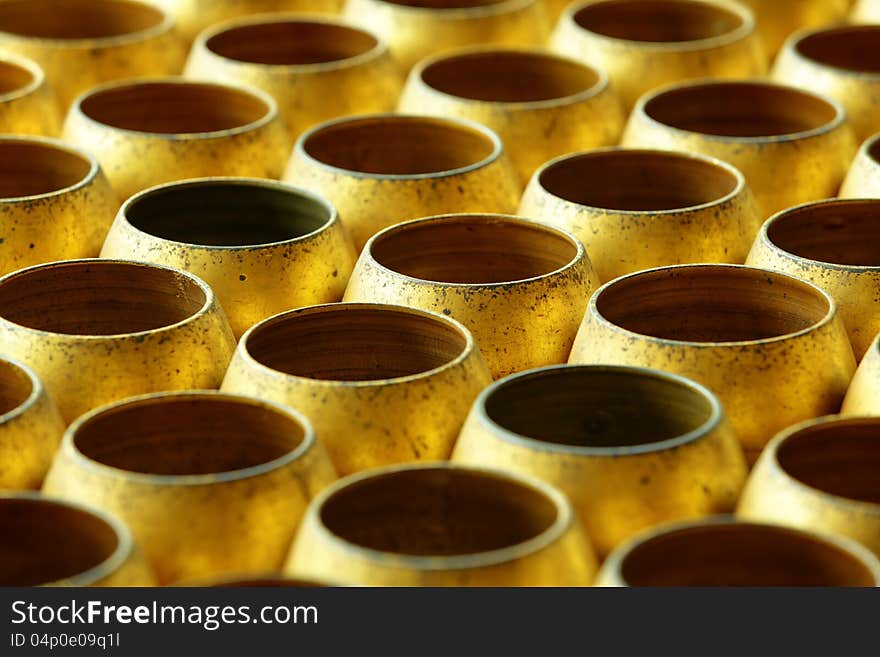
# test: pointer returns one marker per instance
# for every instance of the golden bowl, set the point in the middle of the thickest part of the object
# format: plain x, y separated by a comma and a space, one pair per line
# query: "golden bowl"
644, 44
841, 62
262, 246
442, 524
541, 105
865, 11
637, 209
55, 202
381, 384
832, 244
210, 484
415, 29
83, 43
521, 287
317, 69
193, 16
863, 178
793, 146
821, 475
863, 395
383, 169
27, 106
30, 427
725, 553
630, 447
777, 19
772, 347
258, 580
150, 131
99, 330
51, 542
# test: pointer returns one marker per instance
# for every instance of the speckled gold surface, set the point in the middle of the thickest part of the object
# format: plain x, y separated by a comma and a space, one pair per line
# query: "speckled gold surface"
393, 414
865, 11
202, 524
778, 19
863, 178
27, 106
863, 395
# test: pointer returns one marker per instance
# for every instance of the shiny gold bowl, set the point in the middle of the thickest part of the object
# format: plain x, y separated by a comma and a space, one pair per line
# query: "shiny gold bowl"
27, 106
726, 553
317, 69
83, 43
415, 29
210, 484
865, 11
644, 44
630, 447
521, 287
262, 246
99, 330
381, 384
821, 475
30, 427
383, 169
832, 244
51, 542
793, 146
541, 105
636, 209
841, 62
146, 132
863, 395
772, 347
777, 19
442, 525
55, 202
863, 178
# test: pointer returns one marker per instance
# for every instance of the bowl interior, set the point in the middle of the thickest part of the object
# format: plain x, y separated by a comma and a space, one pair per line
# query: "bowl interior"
77, 19
13, 77
855, 48
15, 386
31, 168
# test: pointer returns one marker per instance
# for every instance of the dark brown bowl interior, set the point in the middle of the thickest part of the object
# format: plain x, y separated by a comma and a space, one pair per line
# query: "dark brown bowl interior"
742, 555
15, 386
437, 512
657, 20
174, 107
13, 77
30, 168
188, 435
740, 109
712, 304
840, 233
637, 181
348, 343
99, 298
77, 19
43, 541
509, 76
401, 145
855, 48
590, 407
477, 249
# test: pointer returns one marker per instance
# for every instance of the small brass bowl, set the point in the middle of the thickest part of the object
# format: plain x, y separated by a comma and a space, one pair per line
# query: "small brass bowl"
833, 244
841, 62
863, 178
636, 209
383, 169
146, 132
55, 202
27, 106
521, 287
52, 542
865, 11
381, 384
863, 395
262, 246
777, 19
317, 69
645, 44
99, 330
793, 146
541, 105
726, 553
210, 484
193, 16
822, 475
415, 29
772, 347
30, 427
630, 447
83, 43
442, 525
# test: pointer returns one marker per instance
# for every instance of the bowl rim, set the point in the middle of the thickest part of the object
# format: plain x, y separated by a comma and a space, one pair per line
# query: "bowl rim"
794, 41
38, 76
499, 7
50, 143
38, 391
